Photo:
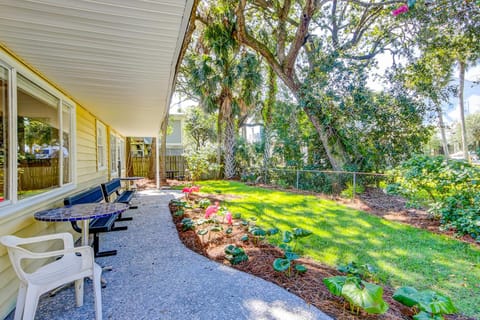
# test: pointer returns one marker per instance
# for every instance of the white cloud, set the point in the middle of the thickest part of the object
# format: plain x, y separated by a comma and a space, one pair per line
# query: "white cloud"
473, 74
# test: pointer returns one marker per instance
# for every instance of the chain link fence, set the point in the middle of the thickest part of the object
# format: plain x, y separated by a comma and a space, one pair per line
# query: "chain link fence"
335, 183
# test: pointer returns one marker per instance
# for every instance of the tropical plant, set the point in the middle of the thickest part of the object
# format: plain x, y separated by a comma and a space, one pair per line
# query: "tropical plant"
360, 294
187, 224
362, 272
285, 263
224, 76
429, 304
204, 203
235, 255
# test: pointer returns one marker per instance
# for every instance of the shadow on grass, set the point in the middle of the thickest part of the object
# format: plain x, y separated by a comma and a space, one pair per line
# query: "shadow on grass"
404, 255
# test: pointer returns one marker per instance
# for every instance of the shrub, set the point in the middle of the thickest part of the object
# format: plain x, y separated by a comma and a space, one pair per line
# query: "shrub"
348, 191
450, 188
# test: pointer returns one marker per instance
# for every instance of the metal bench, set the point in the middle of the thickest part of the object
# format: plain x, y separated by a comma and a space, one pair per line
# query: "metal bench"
121, 196
97, 225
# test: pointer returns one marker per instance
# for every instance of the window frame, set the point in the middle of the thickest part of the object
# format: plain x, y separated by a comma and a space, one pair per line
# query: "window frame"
102, 155
13, 204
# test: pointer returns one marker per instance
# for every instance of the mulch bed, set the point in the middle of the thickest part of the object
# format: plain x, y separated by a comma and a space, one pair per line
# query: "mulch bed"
308, 286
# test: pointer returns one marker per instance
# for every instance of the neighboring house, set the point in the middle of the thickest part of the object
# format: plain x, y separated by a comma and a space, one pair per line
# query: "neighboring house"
142, 146
77, 76
176, 137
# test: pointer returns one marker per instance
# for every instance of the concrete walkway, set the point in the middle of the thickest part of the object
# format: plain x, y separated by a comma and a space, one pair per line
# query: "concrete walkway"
156, 277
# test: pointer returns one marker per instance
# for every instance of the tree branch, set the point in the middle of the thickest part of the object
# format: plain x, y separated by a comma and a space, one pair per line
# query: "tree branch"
300, 36
375, 4
243, 37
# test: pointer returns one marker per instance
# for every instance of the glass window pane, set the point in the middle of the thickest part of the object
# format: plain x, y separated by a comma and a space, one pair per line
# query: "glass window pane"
113, 154
38, 137
66, 128
4, 88
101, 145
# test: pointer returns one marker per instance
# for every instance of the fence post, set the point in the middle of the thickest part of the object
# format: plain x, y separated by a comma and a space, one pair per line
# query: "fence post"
298, 177
354, 186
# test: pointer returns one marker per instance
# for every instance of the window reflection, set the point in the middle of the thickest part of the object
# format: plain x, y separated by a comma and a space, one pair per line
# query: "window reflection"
38, 148
66, 140
4, 84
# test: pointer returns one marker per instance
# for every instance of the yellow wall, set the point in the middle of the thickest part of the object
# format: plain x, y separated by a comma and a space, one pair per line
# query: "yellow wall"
22, 223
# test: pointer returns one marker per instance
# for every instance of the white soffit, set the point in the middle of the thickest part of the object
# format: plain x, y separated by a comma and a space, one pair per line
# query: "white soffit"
116, 58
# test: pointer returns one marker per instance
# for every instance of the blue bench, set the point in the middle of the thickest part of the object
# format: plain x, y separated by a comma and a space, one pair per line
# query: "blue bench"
97, 225
121, 196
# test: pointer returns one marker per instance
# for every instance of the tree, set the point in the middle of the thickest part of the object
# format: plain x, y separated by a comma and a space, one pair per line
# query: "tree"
305, 41
429, 77
453, 28
223, 75
199, 127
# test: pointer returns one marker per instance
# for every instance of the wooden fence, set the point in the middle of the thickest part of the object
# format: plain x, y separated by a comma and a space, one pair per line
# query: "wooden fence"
37, 174
174, 166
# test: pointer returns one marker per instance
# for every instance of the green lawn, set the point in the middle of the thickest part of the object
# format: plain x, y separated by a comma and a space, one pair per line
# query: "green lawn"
403, 254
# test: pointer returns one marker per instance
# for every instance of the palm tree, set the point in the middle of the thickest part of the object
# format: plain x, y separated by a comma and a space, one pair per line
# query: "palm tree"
225, 77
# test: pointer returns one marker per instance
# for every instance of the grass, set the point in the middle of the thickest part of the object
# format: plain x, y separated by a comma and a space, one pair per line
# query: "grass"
404, 255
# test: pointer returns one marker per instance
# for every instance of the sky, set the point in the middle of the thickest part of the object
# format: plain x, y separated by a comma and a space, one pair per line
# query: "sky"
451, 109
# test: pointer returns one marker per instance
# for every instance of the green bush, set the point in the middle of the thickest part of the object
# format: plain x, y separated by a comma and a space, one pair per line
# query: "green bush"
449, 188
348, 191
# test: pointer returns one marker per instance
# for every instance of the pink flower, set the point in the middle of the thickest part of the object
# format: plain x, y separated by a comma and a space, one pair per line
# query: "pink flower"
195, 189
210, 210
187, 190
228, 215
402, 9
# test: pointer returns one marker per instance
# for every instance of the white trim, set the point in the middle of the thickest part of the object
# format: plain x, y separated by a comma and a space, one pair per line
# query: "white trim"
100, 126
13, 204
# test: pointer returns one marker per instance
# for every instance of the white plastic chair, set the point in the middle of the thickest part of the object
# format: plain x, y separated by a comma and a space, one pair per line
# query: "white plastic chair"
75, 264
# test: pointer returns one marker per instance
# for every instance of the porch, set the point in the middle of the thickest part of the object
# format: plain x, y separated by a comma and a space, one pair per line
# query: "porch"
155, 276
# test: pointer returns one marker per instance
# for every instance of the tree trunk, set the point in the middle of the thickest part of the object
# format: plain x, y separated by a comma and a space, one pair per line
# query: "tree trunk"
229, 148
219, 140
441, 124
334, 148
462, 111
267, 120
152, 161
129, 161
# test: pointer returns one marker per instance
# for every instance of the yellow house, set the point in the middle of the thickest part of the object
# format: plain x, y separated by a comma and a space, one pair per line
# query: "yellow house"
76, 78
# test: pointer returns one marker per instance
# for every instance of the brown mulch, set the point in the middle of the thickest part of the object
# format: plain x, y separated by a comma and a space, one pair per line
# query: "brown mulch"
308, 286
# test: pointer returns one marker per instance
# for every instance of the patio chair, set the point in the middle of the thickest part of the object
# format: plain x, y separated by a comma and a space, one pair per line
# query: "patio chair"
73, 264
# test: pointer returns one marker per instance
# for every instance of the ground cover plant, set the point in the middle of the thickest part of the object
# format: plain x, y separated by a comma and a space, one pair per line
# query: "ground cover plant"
403, 255
449, 188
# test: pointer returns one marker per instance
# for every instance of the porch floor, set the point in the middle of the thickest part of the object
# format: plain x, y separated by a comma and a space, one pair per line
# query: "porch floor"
155, 276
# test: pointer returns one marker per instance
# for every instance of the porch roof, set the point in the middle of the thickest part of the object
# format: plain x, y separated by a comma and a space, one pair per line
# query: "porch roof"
116, 58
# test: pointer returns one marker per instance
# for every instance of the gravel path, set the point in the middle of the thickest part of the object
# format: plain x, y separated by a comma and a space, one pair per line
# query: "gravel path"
155, 276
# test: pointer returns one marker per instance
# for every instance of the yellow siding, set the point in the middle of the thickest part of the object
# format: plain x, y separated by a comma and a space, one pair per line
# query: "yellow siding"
22, 223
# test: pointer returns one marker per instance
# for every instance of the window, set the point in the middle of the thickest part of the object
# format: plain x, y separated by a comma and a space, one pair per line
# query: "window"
117, 154
101, 146
113, 156
4, 94
35, 136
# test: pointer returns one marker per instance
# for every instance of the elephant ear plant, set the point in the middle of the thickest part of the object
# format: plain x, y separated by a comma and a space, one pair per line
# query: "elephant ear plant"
285, 264
429, 304
235, 255
359, 293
